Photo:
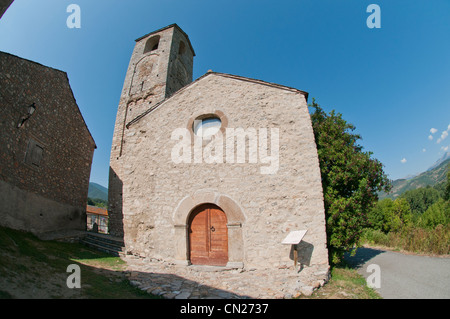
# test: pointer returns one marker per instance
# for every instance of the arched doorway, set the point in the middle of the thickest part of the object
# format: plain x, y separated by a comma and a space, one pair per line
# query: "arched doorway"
235, 223
208, 236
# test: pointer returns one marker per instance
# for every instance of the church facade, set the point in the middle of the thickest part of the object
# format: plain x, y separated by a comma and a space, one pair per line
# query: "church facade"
216, 171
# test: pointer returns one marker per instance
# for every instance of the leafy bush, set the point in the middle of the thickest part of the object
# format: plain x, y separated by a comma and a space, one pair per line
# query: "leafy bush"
399, 216
377, 216
420, 240
421, 198
436, 214
389, 215
418, 221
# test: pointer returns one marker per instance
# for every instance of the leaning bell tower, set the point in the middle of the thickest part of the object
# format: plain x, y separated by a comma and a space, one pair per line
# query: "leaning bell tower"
160, 65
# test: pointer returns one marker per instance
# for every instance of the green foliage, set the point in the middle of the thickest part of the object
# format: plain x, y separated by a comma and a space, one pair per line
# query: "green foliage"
447, 189
389, 215
377, 216
399, 216
436, 214
440, 187
420, 199
417, 221
351, 180
421, 240
97, 202
38, 268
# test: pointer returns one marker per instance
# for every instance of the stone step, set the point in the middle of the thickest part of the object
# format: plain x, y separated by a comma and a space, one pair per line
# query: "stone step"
105, 243
104, 238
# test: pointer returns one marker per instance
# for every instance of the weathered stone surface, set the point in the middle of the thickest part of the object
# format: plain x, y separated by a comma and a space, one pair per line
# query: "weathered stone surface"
152, 196
45, 163
170, 281
263, 225
183, 295
307, 290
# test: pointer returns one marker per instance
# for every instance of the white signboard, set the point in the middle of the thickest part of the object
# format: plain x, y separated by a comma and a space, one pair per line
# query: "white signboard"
294, 237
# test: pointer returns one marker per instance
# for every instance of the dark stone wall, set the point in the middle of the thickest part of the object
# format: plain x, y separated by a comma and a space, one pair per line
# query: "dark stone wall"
50, 154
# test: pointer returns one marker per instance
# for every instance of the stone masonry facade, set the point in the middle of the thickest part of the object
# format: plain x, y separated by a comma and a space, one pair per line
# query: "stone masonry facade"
147, 82
152, 196
45, 163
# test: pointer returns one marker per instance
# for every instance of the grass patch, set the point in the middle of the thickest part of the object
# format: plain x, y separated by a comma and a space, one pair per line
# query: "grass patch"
345, 283
32, 268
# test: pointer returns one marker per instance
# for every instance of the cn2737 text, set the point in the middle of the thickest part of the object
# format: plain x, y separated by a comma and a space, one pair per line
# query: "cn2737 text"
246, 308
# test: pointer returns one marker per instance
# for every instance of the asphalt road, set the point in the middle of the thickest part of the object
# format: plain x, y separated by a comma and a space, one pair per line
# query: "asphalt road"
404, 276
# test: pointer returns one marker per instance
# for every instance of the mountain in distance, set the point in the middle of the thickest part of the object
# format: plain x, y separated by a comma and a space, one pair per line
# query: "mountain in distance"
436, 174
436, 164
97, 191
439, 161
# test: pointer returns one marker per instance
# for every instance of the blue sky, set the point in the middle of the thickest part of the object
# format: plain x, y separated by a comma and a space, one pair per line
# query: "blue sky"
392, 83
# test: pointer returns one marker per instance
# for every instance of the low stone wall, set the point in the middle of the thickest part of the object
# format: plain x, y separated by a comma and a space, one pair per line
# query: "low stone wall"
23, 210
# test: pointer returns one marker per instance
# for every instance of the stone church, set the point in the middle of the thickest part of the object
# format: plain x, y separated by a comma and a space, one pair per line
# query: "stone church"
216, 171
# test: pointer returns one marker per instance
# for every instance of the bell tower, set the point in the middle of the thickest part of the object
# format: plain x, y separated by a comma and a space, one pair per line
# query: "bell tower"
160, 65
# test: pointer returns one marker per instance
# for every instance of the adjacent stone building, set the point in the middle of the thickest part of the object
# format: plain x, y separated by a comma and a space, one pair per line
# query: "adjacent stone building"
97, 219
4, 5
46, 149
213, 172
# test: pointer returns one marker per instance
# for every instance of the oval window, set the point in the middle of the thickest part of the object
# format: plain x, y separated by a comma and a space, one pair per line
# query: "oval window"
207, 127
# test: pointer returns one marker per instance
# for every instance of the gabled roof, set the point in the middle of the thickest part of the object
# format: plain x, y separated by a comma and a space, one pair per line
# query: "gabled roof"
278, 86
236, 77
96, 210
174, 25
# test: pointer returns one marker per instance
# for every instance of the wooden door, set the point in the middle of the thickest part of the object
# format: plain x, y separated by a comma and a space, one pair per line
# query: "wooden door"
208, 236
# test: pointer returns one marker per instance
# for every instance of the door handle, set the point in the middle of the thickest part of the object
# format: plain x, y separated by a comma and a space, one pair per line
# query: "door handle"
213, 229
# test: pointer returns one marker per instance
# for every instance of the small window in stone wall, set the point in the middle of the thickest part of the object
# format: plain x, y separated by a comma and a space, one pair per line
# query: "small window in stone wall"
152, 44
182, 48
34, 153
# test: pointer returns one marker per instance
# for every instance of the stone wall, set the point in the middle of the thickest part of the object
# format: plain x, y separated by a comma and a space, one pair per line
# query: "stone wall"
44, 164
152, 76
264, 208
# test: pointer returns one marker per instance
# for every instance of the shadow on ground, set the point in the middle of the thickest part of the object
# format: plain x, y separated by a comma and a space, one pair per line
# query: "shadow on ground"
172, 286
31, 268
362, 256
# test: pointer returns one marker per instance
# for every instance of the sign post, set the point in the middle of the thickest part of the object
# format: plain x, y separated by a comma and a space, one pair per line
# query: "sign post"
294, 238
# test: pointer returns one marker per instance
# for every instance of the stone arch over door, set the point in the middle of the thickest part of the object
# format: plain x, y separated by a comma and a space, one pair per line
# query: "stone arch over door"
235, 222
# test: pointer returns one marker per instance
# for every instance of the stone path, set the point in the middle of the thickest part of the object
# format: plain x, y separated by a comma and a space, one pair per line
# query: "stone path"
208, 282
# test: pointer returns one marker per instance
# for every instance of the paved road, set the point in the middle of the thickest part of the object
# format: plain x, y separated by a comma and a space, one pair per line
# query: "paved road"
405, 276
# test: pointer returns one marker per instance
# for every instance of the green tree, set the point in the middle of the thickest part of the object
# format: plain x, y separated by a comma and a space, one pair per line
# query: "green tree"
399, 216
420, 199
378, 215
351, 180
97, 202
436, 214
447, 188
